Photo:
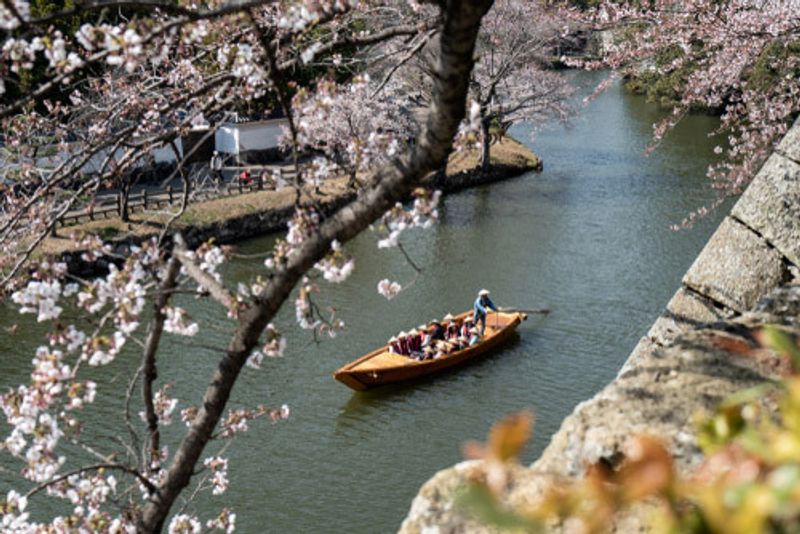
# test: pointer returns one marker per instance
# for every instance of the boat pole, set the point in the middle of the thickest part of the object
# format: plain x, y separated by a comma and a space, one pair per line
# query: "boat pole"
543, 311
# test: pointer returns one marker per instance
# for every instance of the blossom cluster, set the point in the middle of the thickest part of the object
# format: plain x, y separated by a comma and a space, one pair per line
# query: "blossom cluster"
422, 214
303, 224
219, 474
274, 347
389, 289
163, 405
176, 322
337, 265
237, 420
350, 126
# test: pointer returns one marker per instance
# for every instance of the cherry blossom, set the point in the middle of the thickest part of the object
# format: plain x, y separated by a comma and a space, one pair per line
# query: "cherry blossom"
164, 405
389, 289
184, 524
219, 474
176, 322
225, 521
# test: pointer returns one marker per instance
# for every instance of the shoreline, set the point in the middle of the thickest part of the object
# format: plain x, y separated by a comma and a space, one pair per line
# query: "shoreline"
231, 219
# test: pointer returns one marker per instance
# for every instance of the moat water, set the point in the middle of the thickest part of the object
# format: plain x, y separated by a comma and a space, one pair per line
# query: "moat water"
588, 238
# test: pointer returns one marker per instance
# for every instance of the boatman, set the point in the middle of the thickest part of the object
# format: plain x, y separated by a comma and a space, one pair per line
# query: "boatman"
481, 303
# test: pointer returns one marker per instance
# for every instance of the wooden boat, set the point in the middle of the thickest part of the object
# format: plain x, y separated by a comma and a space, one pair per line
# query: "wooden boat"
381, 367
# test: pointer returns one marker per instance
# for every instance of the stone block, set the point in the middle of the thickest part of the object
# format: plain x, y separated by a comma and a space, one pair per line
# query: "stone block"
736, 267
771, 205
642, 354
684, 312
790, 145
689, 310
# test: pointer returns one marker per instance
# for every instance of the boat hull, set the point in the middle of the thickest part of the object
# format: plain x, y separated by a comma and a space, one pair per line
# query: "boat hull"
369, 371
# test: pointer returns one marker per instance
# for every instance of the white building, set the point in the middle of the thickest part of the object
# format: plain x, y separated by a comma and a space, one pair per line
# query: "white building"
248, 140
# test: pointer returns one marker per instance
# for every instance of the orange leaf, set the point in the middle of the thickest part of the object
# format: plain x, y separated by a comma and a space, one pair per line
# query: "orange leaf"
509, 436
648, 468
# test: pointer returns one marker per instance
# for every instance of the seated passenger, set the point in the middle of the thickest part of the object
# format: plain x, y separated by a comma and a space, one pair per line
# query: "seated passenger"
414, 342
436, 330
444, 347
466, 326
427, 353
463, 342
394, 345
451, 327
475, 336
423, 335
402, 340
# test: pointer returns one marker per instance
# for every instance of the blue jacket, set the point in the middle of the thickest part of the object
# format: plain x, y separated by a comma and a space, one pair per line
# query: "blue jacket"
480, 306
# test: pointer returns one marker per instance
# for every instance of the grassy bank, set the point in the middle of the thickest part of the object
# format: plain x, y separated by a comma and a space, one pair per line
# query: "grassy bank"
250, 214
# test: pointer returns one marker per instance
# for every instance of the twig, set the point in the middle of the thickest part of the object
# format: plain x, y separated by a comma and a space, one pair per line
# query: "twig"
95, 467
214, 288
128, 396
408, 258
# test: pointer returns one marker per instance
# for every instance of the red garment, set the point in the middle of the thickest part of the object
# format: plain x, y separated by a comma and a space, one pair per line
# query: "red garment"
394, 346
465, 330
404, 350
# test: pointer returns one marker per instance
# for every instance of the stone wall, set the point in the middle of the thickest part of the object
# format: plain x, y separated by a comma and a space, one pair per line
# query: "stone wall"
690, 359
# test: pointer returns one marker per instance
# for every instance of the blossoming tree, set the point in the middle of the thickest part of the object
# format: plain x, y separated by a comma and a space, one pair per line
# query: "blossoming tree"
512, 80
740, 56
113, 91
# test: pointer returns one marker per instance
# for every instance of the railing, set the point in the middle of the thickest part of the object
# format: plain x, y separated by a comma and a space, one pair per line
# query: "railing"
109, 206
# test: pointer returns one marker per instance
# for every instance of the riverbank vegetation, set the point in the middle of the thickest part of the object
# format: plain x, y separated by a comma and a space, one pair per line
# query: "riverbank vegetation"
738, 57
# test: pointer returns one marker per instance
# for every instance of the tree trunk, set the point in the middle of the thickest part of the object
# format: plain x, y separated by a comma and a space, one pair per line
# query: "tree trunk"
124, 214
392, 183
486, 158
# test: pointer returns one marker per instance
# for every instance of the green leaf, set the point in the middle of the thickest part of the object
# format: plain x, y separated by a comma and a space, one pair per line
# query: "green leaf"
477, 500
780, 341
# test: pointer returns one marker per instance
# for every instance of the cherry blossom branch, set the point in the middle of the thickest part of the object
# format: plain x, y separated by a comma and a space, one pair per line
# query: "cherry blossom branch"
460, 27
205, 280
408, 258
405, 59
149, 369
96, 467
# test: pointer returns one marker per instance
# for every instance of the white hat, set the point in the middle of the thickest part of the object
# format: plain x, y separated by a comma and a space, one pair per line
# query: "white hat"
392, 339
422, 327
448, 317
474, 330
483, 292
468, 319
401, 335
412, 332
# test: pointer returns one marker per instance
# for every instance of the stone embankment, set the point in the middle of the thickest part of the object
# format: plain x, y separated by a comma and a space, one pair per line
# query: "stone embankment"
691, 359
227, 220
